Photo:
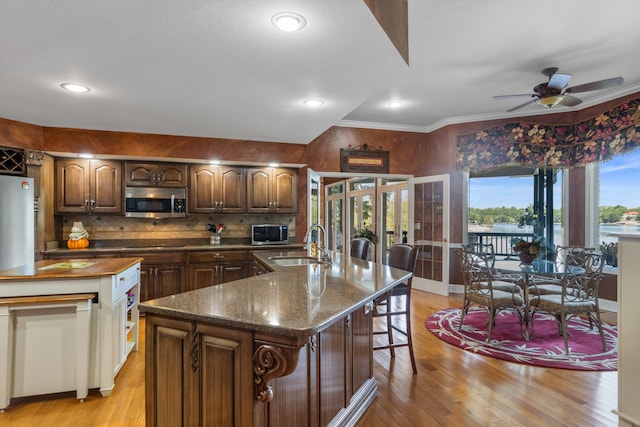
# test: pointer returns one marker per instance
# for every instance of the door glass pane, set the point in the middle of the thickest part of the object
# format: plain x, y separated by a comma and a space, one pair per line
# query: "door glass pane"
388, 225
335, 223
428, 229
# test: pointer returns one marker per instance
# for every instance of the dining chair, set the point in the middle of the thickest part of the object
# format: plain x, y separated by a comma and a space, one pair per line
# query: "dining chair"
479, 289
360, 248
579, 295
397, 303
566, 258
486, 256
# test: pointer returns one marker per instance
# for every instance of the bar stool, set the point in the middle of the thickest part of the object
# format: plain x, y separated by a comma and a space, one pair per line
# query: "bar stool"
404, 257
360, 248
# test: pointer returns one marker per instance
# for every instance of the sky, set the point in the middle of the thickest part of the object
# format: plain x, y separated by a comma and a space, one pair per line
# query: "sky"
619, 185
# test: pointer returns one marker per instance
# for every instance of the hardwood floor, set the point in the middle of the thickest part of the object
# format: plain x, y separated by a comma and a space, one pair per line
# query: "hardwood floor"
452, 388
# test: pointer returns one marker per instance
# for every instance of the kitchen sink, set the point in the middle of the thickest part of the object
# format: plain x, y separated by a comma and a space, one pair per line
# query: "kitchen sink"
291, 261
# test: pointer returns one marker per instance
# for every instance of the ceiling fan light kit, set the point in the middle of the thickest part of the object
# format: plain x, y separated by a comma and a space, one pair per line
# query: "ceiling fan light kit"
555, 91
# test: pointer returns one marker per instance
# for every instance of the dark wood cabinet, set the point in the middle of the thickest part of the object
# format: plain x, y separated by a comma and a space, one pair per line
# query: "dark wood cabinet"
272, 190
155, 174
201, 374
216, 189
215, 267
161, 275
88, 186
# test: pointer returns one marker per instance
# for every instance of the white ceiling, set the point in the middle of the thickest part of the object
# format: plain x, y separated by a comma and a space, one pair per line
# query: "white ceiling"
219, 68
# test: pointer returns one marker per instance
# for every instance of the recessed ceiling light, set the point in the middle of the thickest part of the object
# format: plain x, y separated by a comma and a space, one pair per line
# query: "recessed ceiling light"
214, 162
75, 87
274, 165
288, 21
313, 102
395, 104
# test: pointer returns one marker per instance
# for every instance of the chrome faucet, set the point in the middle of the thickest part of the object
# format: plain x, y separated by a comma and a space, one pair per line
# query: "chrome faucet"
324, 253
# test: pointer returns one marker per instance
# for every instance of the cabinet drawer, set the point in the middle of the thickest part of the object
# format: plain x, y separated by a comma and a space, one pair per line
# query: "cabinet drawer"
161, 258
125, 281
217, 256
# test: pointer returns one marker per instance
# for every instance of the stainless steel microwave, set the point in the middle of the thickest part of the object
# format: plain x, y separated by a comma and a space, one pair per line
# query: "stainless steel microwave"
269, 234
155, 202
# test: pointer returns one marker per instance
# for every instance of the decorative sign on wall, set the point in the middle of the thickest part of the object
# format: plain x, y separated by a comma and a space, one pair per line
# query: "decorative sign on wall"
363, 159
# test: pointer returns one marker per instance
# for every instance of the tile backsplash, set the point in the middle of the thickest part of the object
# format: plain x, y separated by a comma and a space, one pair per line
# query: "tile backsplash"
191, 227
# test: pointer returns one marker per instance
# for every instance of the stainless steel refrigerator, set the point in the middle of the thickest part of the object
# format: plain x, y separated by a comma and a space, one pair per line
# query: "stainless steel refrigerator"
17, 221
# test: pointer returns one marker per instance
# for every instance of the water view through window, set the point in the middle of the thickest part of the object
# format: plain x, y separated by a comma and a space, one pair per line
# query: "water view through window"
496, 204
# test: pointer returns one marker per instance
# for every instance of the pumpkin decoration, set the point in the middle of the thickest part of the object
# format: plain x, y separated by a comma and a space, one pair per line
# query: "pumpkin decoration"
78, 244
78, 238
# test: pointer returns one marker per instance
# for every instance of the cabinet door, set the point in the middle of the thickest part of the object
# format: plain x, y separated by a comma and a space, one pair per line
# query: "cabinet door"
146, 285
198, 376
228, 272
140, 174
258, 190
204, 191
361, 345
233, 186
171, 175
171, 387
105, 187
201, 275
272, 190
72, 185
285, 191
168, 280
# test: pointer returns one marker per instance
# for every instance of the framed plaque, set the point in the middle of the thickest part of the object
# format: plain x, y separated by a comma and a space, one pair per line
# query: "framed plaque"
364, 161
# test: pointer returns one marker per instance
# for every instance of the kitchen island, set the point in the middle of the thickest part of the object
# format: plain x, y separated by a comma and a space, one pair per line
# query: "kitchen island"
291, 347
66, 325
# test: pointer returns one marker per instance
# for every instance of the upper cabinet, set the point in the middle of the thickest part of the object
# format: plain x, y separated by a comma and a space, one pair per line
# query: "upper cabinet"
88, 186
216, 189
272, 190
155, 174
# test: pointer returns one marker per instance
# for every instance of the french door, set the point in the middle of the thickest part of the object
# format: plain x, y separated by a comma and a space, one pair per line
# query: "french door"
393, 201
430, 232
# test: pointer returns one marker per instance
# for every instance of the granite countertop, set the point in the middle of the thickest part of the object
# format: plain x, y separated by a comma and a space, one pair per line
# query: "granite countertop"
295, 301
133, 246
76, 268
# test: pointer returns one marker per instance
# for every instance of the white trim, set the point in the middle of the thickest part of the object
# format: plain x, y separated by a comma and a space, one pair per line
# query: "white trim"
591, 205
436, 287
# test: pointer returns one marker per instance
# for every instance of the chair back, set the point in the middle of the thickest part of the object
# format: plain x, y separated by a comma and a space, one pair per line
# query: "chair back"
582, 283
404, 257
476, 272
486, 249
570, 257
360, 248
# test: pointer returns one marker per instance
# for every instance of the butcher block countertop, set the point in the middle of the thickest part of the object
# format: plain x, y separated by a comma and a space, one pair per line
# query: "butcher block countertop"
71, 268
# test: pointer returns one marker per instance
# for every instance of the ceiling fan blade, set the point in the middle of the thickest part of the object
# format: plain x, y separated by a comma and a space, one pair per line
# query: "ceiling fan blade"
512, 96
597, 85
558, 81
517, 107
569, 101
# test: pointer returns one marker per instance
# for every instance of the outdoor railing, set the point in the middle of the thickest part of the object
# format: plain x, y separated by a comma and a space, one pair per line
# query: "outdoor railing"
502, 242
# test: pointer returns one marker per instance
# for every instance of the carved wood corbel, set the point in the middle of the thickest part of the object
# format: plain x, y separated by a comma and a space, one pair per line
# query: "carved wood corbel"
271, 360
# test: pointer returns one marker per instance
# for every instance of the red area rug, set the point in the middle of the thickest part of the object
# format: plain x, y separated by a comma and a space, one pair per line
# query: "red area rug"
545, 348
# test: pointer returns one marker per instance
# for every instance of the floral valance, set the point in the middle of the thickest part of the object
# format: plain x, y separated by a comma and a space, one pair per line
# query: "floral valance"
552, 146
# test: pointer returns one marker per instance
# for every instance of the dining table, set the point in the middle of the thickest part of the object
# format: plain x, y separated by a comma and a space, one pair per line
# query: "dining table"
526, 275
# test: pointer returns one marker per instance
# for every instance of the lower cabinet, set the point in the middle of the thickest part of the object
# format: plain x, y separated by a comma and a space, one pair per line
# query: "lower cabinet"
208, 268
161, 275
333, 379
197, 374
201, 374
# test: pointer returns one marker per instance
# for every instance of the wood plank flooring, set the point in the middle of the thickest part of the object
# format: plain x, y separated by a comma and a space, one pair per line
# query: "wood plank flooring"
452, 388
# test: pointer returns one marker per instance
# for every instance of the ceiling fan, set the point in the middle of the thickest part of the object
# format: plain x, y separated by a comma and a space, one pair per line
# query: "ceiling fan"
555, 91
